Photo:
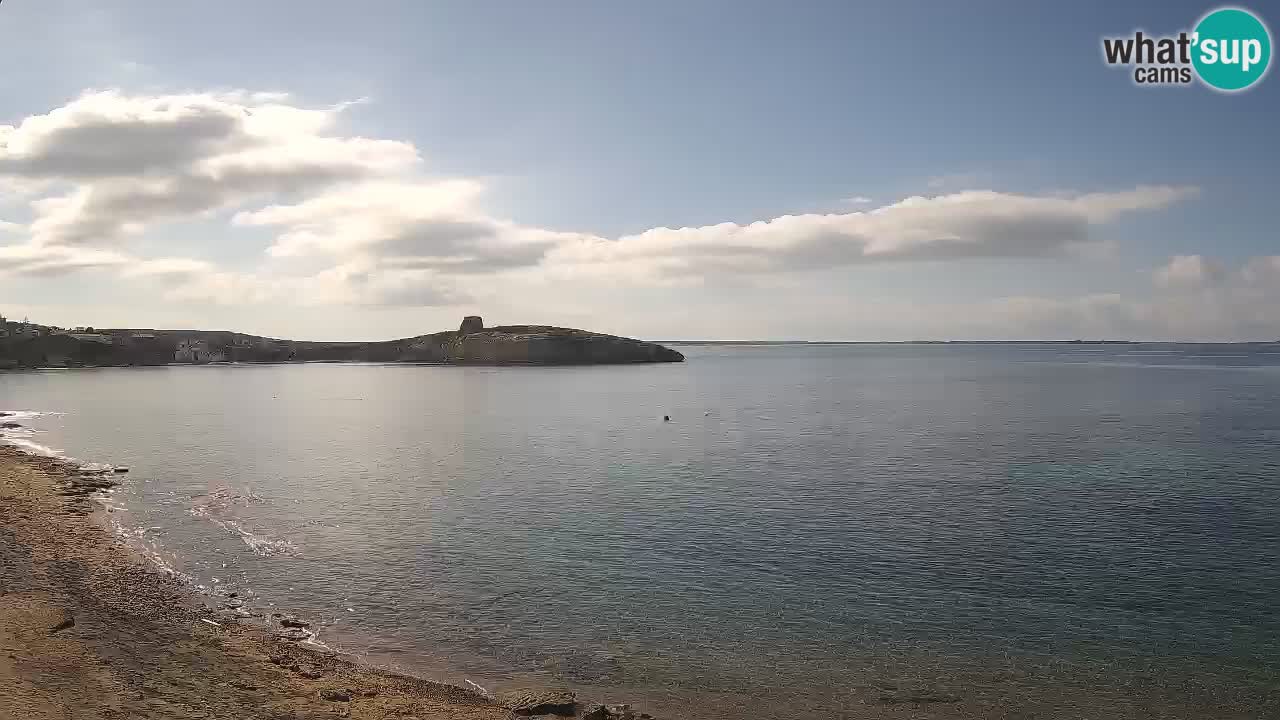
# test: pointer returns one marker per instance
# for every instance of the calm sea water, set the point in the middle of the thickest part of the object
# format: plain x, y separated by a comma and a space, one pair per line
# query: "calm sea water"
1067, 531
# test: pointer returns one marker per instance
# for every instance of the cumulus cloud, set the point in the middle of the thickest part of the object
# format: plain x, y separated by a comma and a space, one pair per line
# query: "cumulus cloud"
348, 284
33, 259
437, 226
1262, 272
973, 224
1201, 298
169, 268
135, 160
406, 226
1188, 271
356, 220
1192, 298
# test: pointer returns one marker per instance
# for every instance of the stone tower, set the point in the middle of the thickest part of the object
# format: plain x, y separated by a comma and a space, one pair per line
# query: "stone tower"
471, 324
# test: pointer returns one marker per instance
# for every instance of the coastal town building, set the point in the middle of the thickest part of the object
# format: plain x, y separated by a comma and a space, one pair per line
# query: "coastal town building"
18, 330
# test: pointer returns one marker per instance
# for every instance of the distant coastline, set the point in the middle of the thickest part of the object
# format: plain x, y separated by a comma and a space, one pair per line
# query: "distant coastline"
26, 345
967, 342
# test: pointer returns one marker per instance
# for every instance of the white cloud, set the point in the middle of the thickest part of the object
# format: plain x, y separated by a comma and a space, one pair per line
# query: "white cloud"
1188, 271
857, 200
1236, 305
1233, 305
356, 220
135, 160
1198, 297
971, 224
169, 267
423, 226
34, 259
351, 284
1262, 272
437, 226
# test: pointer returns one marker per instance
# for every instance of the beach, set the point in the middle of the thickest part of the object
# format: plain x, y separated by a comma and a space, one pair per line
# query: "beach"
792, 544
90, 630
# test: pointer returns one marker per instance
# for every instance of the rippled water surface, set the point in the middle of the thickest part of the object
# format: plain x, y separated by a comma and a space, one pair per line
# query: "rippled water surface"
820, 531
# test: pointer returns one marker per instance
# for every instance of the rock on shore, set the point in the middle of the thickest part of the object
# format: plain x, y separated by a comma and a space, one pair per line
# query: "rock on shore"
88, 631
540, 702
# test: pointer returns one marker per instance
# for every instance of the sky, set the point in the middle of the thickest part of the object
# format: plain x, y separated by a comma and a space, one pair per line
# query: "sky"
667, 170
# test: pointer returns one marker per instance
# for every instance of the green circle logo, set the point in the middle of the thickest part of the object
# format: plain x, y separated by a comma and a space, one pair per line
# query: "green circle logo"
1232, 49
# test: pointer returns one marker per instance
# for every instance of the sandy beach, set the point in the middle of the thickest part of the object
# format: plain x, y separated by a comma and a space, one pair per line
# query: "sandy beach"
89, 630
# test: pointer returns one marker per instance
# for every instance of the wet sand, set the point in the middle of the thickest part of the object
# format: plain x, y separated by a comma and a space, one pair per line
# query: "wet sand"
90, 630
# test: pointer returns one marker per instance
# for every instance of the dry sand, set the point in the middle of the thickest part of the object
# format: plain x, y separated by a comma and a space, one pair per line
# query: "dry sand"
90, 630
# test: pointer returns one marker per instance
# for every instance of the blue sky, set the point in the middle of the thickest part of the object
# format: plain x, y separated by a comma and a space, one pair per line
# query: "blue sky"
597, 121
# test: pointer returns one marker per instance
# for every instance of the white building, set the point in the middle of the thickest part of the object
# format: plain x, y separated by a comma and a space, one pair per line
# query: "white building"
23, 329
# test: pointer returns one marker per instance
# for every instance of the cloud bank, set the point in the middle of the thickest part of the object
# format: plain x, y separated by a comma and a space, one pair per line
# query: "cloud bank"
354, 220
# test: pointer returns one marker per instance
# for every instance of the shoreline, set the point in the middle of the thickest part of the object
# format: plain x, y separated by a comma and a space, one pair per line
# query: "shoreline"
471, 344
141, 631
91, 628
275, 363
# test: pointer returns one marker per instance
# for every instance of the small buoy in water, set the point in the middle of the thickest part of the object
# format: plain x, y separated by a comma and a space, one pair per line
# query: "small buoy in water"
666, 418
121, 469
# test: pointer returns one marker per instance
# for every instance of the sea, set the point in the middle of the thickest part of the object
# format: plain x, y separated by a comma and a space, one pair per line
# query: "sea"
814, 531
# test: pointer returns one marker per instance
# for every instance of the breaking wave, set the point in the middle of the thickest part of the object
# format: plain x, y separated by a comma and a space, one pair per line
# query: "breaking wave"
212, 506
140, 539
22, 437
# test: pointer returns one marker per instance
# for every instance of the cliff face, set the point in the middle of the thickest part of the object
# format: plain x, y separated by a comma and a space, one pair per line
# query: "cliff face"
471, 344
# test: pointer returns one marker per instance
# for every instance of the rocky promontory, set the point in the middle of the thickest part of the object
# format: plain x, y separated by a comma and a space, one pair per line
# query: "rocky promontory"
471, 344
474, 344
